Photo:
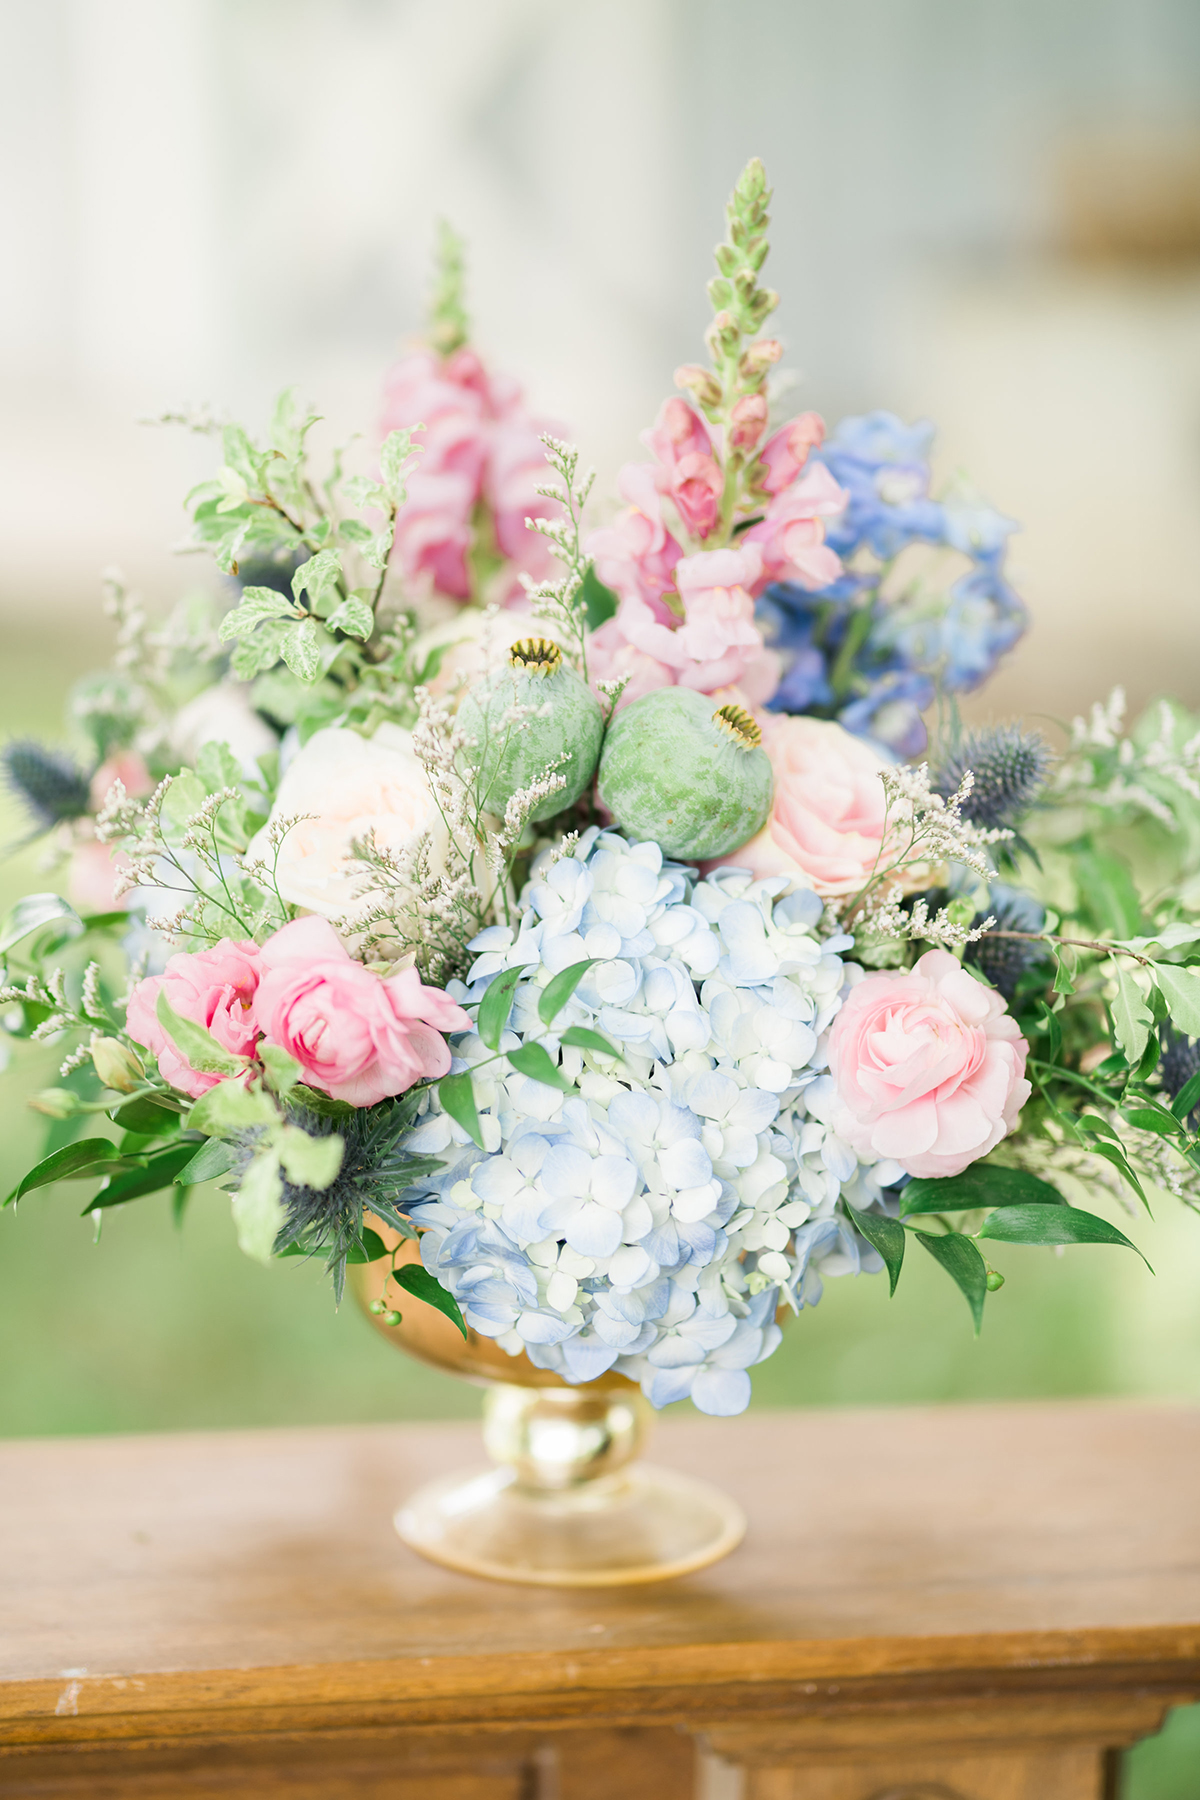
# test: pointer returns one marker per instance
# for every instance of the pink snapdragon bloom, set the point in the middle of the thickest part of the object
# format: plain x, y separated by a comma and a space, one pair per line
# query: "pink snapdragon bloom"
748, 421
357, 1036
715, 645
214, 988
690, 473
829, 811
929, 1067
785, 453
433, 530
792, 535
636, 555
479, 444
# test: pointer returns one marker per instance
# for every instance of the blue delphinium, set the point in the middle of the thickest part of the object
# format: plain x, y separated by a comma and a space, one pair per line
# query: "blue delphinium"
651, 1220
872, 660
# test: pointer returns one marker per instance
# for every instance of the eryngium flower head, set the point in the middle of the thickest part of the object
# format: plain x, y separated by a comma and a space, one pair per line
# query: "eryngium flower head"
1010, 767
47, 782
1003, 959
1180, 1061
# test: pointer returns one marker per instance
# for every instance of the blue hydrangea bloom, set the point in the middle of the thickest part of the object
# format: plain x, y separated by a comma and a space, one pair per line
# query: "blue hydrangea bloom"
873, 658
652, 1220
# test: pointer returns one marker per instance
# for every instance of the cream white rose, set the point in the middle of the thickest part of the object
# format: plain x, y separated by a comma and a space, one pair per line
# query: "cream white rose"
352, 786
224, 715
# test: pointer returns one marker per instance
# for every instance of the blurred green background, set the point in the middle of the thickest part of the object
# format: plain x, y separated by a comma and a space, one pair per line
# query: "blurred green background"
155, 1328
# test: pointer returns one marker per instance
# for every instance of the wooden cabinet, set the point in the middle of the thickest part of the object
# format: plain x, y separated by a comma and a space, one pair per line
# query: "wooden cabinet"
966, 1603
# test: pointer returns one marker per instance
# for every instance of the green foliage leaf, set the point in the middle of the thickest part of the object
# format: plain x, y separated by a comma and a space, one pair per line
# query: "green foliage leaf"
218, 767
1181, 989
885, 1235
1113, 1154
981, 1184
257, 604
353, 616
301, 650
147, 1115
395, 453
324, 1104
1132, 1018
558, 990
75, 1162
417, 1280
963, 1263
355, 532
309, 1161
318, 575
1108, 893
34, 911
458, 1099
161, 1170
258, 1207
495, 1007
599, 601
1147, 1115
198, 1048
1187, 1098
283, 1071
535, 1061
1053, 1225
262, 651
369, 1249
583, 1039
209, 1162
230, 1106
1053, 1032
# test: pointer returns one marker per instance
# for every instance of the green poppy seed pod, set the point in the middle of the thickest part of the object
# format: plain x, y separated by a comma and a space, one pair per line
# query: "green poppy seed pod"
689, 775
562, 726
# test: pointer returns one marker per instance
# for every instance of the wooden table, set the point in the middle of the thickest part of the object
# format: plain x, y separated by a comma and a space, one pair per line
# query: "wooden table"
978, 1603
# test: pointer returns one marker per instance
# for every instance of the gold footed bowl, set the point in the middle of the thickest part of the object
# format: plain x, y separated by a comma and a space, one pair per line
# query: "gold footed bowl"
565, 1504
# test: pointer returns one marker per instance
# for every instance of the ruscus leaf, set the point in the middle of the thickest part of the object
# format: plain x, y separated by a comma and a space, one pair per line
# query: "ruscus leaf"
581, 1038
211, 1160
416, 1280
161, 1170
535, 1061
558, 990
963, 1263
458, 1099
495, 1006
981, 1184
75, 1162
31, 913
198, 1048
885, 1235
1053, 1225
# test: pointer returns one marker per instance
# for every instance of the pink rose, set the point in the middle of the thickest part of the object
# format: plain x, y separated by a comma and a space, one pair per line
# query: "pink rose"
792, 535
786, 452
129, 769
929, 1067
357, 1036
827, 817
214, 988
92, 874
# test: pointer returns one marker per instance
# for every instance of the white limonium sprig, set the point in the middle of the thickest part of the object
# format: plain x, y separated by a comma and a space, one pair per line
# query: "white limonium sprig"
642, 1171
560, 603
1106, 768
923, 833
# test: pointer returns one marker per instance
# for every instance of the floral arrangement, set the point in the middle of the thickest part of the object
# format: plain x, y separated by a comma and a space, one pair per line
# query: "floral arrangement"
565, 892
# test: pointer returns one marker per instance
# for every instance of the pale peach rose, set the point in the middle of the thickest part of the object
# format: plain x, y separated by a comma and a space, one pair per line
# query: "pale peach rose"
827, 818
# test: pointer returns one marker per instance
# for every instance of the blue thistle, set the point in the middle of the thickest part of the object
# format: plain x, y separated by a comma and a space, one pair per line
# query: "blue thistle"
48, 783
1010, 766
1180, 1060
1005, 960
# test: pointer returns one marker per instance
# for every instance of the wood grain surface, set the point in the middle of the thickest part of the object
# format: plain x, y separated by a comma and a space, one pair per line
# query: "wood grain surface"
943, 1573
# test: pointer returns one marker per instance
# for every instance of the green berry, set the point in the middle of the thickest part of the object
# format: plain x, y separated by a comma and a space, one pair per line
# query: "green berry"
564, 728
689, 775
994, 1280
376, 1306
391, 1318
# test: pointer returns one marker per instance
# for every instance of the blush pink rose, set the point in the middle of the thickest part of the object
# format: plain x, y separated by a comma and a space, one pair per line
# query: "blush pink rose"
929, 1067
214, 988
827, 817
785, 453
357, 1036
792, 535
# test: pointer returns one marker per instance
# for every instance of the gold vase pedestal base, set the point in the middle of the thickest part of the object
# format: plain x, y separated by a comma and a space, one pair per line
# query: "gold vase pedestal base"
567, 1506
